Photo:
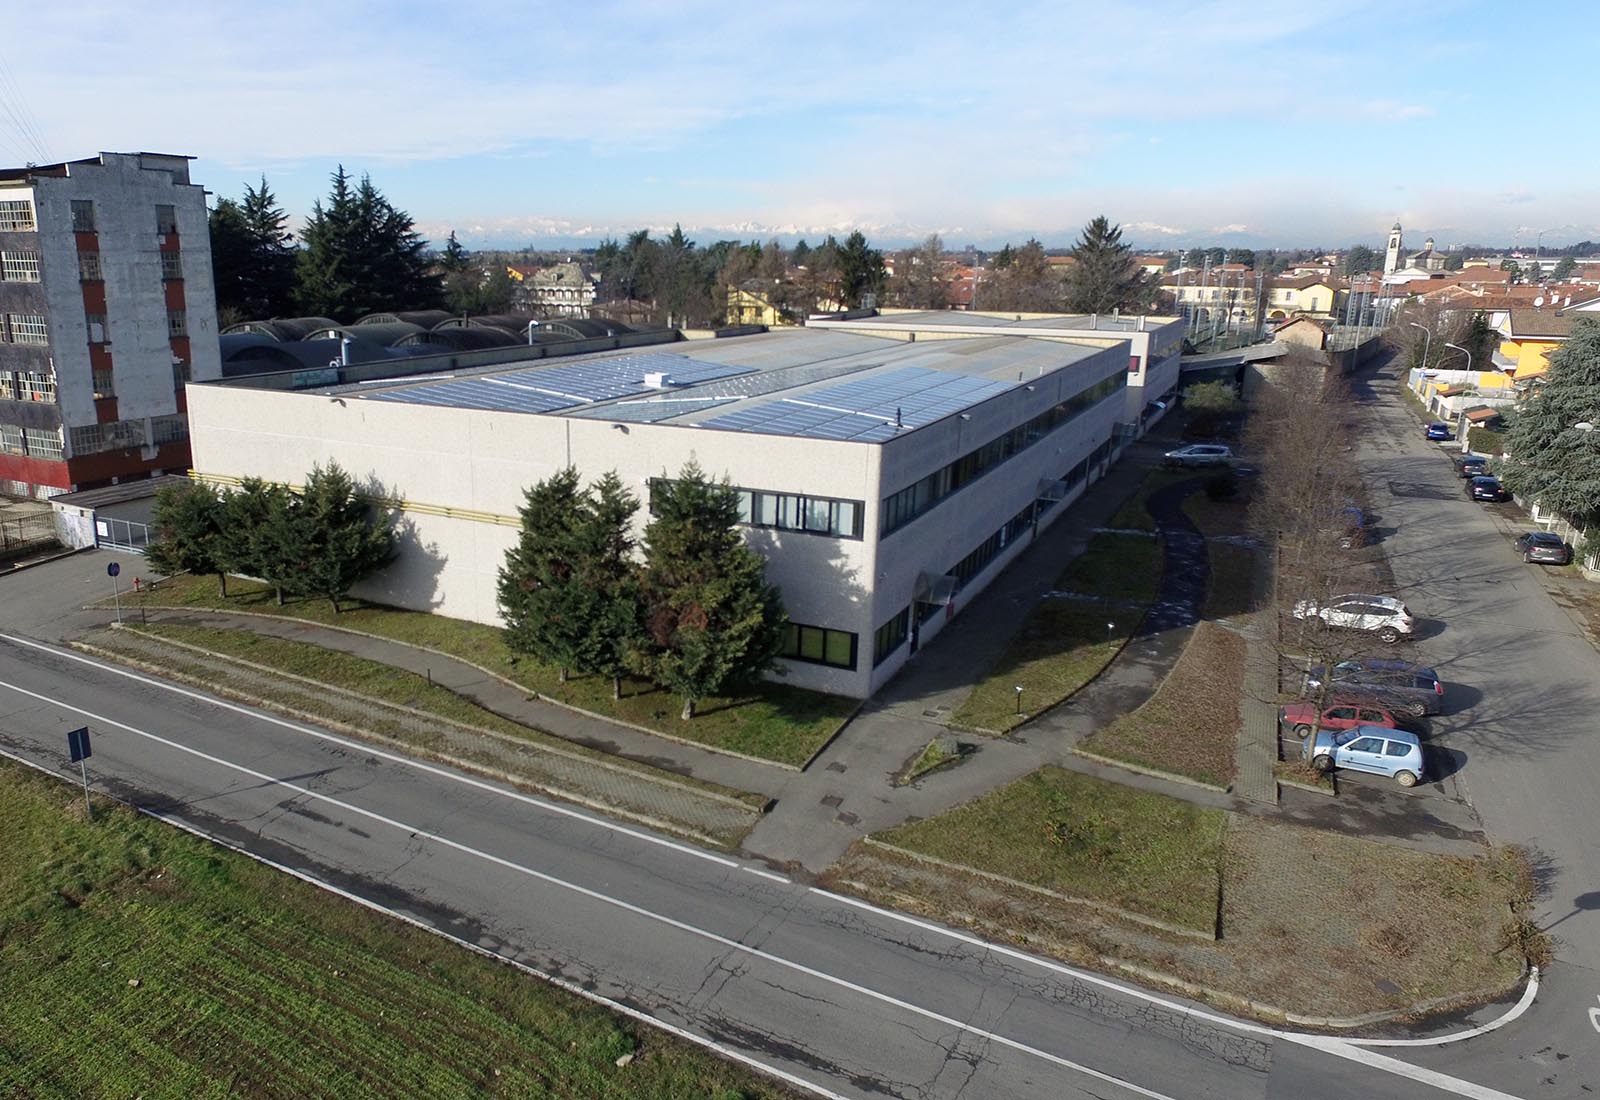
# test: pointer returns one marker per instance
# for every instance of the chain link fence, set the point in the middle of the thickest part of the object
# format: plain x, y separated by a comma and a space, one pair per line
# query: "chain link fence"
24, 531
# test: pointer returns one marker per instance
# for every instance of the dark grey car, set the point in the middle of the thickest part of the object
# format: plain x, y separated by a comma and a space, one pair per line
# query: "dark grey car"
1544, 547
1399, 685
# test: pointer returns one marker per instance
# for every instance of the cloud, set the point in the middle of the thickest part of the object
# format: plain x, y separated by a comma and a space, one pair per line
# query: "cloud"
1516, 196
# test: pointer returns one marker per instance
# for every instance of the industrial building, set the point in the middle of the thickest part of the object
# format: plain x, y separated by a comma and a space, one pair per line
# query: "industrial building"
106, 311
888, 467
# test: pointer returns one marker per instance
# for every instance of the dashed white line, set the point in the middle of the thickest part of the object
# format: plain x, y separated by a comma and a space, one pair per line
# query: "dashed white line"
606, 899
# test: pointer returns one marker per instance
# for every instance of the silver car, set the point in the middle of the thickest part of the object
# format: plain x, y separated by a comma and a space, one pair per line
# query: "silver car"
1199, 454
1384, 616
1375, 749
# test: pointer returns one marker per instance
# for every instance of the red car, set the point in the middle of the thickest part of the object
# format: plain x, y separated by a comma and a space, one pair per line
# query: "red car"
1337, 715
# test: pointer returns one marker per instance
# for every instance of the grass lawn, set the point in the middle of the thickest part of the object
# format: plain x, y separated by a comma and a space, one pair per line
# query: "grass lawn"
384, 682
771, 721
1221, 517
1087, 838
1061, 646
1190, 726
1116, 567
140, 960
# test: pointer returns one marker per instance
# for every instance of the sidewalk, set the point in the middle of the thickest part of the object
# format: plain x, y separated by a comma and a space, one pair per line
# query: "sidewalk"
846, 792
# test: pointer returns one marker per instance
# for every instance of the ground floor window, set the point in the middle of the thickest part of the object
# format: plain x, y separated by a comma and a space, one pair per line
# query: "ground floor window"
819, 645
891, 636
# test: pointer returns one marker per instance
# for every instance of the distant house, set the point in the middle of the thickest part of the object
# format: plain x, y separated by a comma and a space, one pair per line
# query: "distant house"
1528, 336
1300, 296
750, 303
1305, 332
560, 290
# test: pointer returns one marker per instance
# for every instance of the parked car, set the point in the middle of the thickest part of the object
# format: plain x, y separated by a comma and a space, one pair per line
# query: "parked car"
1336, 715
1544, 547
1487, 488
1384, 616
1438, 430
1199, 454
1374, 749
1397, 685
1471, 465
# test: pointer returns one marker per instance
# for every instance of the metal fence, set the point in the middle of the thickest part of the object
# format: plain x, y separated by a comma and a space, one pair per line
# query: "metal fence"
27, 531
121, 534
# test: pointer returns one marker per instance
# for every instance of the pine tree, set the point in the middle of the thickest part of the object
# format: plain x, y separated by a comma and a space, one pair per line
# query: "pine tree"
1553, 461
711, 619
609, 580
339, 539
1565, 269
1104, 276
362, 255
861, 271
454, 257
188, 523
252, 258
540, 598
255, 525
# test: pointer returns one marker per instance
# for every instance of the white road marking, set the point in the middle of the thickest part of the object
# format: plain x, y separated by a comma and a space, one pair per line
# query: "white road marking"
605, 899
728, 1052
1525, 1002
767, 875
1341, 1047
1594, 1016
370, 750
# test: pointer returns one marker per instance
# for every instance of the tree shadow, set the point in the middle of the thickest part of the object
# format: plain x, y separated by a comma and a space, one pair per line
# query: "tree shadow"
411, 579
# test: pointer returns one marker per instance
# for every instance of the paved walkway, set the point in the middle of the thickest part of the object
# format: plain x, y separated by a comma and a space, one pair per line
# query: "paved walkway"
504, 699
1254, 777
847, 793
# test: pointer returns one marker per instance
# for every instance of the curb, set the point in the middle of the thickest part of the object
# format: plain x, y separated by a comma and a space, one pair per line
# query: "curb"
506, 680
1088, 903
23, 567
412, 750
1153, 773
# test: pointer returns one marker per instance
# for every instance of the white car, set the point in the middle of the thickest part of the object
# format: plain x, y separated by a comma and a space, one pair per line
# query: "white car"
1384, 616
1199, 454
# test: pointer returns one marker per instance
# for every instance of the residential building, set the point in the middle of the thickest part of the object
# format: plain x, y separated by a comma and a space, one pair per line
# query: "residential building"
750, 303
887, 467
560, 290
106, 311
1290, 296
1527, 337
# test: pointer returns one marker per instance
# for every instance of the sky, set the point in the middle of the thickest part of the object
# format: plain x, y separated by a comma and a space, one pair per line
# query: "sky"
514, 123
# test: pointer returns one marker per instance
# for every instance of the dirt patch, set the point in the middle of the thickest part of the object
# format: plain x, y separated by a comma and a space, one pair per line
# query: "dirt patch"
1191, 725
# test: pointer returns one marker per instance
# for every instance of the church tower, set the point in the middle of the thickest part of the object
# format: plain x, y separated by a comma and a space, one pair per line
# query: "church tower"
1391, 257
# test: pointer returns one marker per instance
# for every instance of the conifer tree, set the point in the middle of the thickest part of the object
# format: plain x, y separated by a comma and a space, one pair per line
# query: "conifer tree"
711, 619
257, 533
362, 255
1553, 460
339, 540
1104, 275
188, 523
608, 579
540, 599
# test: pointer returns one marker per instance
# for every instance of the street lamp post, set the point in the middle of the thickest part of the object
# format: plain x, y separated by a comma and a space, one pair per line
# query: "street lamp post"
1427, 341
1461, 426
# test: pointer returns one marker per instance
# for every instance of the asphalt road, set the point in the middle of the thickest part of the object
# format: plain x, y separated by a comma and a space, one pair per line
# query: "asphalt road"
850, 1000
1523, 693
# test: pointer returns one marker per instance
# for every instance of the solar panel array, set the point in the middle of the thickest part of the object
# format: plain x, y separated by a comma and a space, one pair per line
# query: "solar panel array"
547, 389
868, 410
651, 411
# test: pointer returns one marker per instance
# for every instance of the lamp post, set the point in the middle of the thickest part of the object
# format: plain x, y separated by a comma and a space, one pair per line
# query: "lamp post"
1427, 341
531, 326
1461, 427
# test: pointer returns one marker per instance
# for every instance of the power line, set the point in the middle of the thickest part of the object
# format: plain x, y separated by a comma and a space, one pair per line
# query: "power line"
23, 121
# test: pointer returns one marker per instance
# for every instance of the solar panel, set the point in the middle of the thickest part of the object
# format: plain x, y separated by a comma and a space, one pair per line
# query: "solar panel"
548, 388
868, 409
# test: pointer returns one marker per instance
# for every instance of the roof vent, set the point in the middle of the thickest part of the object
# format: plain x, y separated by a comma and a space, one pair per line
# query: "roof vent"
658, 380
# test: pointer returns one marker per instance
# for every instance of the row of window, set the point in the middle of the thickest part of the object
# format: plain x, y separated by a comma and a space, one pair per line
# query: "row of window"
33, 442
818, 645
789, 511
16, 216
19, 267
906, 505
115, 436
23, 328
892, 634
27, 386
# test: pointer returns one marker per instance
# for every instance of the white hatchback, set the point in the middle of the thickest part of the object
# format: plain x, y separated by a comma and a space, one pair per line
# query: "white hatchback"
1384, 616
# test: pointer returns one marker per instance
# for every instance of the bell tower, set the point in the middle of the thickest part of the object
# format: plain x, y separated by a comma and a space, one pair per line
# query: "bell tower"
1391, 256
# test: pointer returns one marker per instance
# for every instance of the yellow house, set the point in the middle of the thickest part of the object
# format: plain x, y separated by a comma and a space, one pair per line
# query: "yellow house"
749, 305
1528, 336
1300, 296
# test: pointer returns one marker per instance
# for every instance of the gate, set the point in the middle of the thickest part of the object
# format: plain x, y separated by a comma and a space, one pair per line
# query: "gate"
121, 534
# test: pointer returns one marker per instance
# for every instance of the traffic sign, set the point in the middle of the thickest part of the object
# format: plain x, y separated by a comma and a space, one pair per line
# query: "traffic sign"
113, 569
78, 744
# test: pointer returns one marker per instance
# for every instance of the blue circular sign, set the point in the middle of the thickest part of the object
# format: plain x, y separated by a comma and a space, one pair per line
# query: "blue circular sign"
113, 569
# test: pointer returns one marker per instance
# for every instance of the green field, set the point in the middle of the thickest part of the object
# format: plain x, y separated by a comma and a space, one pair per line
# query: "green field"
140, 961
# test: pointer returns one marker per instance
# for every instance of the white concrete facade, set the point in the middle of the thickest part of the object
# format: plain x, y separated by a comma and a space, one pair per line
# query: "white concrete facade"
460, 474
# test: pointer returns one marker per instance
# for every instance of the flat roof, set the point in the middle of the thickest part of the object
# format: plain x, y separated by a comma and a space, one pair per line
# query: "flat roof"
1075, 323
795, 382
